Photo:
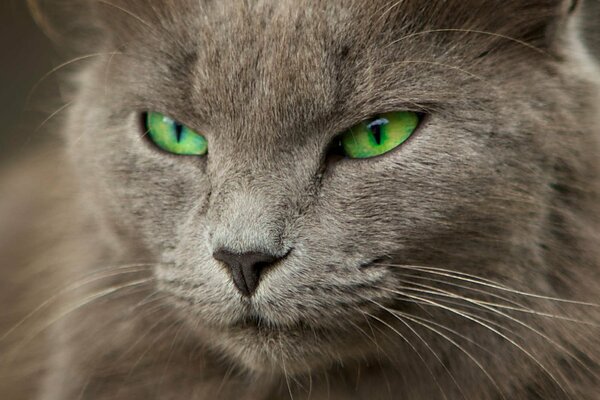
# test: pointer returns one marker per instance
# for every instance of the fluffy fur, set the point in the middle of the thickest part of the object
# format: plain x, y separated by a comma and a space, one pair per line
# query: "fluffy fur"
462, 265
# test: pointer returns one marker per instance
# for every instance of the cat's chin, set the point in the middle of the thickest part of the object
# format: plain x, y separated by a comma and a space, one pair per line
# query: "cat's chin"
260, 342
296, 351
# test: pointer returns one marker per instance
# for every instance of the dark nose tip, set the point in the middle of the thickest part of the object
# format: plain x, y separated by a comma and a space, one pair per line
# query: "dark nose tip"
245, 268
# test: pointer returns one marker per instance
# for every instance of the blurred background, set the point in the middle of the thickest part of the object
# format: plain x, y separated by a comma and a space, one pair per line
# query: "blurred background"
26, 55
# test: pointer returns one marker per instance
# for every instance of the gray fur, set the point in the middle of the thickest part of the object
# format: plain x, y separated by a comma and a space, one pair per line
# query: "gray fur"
500, 182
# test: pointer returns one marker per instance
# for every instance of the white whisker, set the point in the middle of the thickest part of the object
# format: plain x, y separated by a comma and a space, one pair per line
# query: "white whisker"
424, 343
88, 300
490, 328
518, 321
485, 282
410, 345
61, 66
74, 286
126, 11
478, 302
463, 350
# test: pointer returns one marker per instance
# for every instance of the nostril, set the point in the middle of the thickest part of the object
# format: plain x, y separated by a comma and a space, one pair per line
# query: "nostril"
246, 268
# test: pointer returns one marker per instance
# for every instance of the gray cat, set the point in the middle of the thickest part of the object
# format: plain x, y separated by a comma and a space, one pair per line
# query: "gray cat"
304, 199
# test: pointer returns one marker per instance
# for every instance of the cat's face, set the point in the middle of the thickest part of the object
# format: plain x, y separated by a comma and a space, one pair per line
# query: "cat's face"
270, 86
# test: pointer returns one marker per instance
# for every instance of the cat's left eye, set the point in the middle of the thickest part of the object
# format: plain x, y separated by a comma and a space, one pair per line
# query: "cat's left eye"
378, 135
174, 137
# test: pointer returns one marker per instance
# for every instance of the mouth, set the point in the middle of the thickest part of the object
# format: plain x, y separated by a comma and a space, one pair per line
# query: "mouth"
256, 342
251, 321
257, 324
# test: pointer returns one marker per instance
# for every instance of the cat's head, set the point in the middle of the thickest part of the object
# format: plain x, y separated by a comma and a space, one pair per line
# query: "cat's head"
275, 244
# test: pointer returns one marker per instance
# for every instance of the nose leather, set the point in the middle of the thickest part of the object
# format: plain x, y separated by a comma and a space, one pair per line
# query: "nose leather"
246, 268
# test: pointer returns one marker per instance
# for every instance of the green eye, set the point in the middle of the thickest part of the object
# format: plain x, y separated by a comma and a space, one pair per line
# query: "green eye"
171, 136
379, 135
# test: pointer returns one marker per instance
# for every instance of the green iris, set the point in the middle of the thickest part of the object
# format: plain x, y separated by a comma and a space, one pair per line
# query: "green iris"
379, 135
169, 135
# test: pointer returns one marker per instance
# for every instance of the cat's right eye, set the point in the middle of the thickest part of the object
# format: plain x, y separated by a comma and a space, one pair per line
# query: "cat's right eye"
174, 137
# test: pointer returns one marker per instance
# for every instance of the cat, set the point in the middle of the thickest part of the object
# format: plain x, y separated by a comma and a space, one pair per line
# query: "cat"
274, 263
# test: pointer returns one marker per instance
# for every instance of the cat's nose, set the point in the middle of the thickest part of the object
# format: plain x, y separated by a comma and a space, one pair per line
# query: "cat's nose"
246, 268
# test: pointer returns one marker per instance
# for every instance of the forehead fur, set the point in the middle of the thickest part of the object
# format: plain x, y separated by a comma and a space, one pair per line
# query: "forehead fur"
524, 19
315, 52
521, 12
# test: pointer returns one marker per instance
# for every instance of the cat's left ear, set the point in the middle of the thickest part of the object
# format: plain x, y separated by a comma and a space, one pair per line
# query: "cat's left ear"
562, 23
570, 6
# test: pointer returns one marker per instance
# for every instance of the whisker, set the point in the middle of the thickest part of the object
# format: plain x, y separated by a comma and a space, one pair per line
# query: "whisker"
54, 114
310, 384
61, 66
74, 286
463, 350
170, 357
88, 300
149, 329
485, 282
374, 338
387, 11
224, 380
149, 347
131, 348
446, 301
518, 321
149, 300
448, 283
451, 273
424, 343
285, 373
126, 11
410, 345
490, 328
464, 337
479, 302
362, 331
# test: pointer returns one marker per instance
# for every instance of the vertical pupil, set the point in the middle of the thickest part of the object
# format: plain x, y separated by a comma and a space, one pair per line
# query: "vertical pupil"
377, 133
178, 131
375, 127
